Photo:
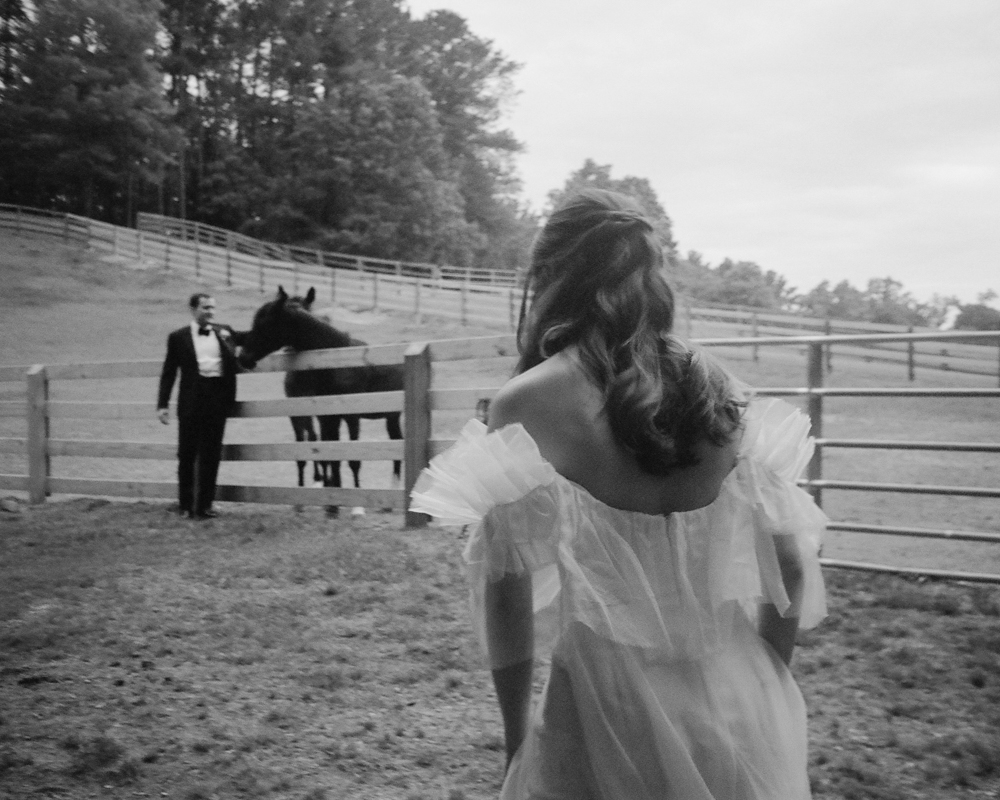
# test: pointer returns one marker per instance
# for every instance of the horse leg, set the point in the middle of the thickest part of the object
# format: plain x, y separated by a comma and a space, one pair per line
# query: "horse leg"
319, 467
354, 430
395, 432
302, 427
329, 430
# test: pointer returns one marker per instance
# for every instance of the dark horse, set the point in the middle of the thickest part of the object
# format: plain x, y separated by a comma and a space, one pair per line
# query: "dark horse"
287, 322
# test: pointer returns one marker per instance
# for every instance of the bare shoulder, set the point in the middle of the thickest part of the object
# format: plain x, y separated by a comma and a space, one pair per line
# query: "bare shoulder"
534, 395
554, 401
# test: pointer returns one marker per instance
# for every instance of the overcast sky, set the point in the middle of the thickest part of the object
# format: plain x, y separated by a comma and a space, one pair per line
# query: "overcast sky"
823, 139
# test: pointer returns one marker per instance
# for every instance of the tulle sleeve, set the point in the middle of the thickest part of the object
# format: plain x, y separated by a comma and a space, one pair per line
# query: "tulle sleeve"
499, 484
784, 520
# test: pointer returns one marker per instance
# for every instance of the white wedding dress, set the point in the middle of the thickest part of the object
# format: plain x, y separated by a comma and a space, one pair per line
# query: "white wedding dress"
659, 685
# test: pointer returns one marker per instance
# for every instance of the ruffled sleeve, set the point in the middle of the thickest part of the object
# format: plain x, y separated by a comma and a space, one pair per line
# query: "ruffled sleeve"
499, 483
480, 471
785, 521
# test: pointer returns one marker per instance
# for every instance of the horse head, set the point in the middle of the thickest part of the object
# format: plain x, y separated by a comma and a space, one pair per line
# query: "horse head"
303, 302
287, 321
272, 329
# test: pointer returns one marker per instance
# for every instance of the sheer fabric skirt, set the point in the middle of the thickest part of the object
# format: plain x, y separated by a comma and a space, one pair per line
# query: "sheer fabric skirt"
616, 723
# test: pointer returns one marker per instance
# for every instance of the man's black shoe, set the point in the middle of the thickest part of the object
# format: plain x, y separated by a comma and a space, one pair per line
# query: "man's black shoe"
206, 514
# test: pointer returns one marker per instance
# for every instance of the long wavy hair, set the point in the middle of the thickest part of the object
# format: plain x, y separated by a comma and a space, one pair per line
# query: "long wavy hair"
595, 282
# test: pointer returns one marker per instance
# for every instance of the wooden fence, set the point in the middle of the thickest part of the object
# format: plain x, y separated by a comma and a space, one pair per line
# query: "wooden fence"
418, 400
200, 235
224, 258
924, 351
218, 257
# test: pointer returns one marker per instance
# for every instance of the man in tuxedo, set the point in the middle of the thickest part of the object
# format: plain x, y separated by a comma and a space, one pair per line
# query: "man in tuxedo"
205, 354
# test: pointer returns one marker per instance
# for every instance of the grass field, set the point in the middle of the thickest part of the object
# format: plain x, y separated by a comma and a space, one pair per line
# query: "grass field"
275, 654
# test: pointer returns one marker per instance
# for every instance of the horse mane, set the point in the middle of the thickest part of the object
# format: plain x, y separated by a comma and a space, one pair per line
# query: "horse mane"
321, 333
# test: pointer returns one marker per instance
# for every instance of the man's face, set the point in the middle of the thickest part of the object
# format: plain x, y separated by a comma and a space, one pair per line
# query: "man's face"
205, 312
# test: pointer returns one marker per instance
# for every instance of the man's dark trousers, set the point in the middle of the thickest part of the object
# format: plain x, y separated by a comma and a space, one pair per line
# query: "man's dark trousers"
199, 445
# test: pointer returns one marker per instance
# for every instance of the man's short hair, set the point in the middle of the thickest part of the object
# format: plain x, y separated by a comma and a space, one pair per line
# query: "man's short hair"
195, 300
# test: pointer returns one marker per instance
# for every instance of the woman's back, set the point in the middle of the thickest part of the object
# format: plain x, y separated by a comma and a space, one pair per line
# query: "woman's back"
564, 412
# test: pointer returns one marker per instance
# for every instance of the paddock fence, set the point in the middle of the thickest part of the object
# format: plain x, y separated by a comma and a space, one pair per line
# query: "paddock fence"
39, 409
489, 297
419, 401
221, 258
924, 351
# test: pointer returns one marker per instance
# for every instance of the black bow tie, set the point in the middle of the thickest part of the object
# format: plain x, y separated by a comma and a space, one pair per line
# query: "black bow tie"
204, 331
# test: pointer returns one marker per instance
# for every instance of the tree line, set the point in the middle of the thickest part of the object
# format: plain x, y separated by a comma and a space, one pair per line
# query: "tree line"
341, 124
346, 125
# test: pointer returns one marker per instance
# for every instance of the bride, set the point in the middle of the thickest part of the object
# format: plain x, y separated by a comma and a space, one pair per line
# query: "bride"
636, 521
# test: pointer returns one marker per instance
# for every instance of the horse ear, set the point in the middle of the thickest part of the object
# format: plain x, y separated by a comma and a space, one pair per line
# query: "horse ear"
310, 295
282, 297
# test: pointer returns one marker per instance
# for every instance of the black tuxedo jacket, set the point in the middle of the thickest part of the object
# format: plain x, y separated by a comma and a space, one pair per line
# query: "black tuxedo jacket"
181, 356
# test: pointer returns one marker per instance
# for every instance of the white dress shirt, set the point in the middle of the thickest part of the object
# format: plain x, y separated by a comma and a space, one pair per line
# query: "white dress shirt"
208, 352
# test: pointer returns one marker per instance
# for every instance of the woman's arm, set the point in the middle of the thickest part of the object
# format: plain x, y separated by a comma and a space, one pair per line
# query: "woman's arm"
510, 638
776, 630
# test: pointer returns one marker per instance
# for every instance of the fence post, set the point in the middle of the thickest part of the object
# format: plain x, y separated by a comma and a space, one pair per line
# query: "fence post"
416, 422
828, 330
754, 332
333, 279
814, 471
464, 296
911, 370
375, 290
229, 259
416, 298
260, 266
114, 241
39, 463
139, 246
510, 307
166, 251
197, 251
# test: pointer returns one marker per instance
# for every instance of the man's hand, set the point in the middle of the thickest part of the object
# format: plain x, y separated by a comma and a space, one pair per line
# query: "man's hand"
164, 415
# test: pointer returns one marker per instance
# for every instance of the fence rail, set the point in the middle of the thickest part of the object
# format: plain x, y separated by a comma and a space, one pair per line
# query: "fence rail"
200, 234
418, 401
